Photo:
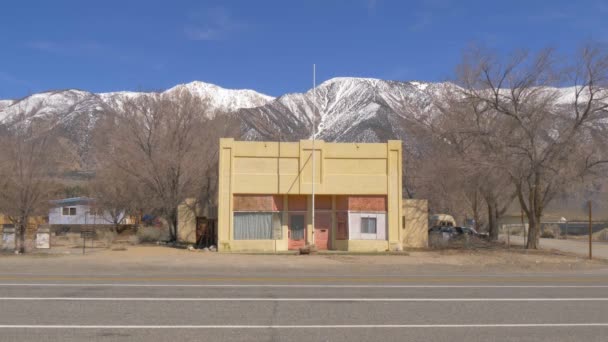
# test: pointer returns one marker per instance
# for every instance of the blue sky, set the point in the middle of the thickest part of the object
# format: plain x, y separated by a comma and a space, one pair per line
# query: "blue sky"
268, 46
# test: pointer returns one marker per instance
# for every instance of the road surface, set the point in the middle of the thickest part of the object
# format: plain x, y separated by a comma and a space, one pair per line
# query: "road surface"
287, 306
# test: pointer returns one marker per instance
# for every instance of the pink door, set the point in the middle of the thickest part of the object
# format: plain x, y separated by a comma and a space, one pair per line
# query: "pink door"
322, 230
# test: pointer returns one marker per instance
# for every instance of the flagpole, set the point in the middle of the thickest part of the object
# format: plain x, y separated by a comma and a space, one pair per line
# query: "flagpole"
314, 98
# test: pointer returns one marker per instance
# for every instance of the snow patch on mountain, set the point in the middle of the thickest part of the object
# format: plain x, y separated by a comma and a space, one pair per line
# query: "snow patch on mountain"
63, 104
4, 104
344, 109
226, 100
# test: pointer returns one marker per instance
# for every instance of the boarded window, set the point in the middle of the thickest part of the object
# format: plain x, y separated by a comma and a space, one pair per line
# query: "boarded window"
297, 203
323, 202
257, 225
258, 202
368, 225
370, 203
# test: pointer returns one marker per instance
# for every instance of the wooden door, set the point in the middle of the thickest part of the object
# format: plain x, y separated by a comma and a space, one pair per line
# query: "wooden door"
297, 231
322, 230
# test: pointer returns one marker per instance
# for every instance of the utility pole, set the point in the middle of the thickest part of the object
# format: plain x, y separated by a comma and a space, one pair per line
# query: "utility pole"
590, 232
523, 226
314, 129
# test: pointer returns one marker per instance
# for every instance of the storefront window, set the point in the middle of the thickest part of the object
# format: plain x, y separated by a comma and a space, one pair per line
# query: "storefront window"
257, 226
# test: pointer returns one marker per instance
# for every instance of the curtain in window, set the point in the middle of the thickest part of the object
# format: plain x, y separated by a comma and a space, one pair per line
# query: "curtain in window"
257, 226
296, 227
368, 225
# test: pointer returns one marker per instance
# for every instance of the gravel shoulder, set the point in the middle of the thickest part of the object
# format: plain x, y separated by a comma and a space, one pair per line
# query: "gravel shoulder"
172, 260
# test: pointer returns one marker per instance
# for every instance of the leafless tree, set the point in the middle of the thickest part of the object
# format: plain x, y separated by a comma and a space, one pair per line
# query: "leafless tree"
458, 131
532, 128
438, 174
28, 159
167, 147
115, 196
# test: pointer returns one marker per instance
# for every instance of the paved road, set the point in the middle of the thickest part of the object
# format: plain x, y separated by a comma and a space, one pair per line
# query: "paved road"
579, 247
569, 306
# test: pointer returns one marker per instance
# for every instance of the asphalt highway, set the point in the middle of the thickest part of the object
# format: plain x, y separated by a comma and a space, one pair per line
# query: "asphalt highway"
288, 307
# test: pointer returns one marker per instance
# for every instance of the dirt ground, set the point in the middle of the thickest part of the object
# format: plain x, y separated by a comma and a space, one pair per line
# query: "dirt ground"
421, 261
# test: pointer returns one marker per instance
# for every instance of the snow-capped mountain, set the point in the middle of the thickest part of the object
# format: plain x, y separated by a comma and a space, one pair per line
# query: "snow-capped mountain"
63, 104
76, 112
348, 109
221, 99
5, 103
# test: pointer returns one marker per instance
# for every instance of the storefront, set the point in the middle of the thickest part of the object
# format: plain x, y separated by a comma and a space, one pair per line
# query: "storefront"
265, 196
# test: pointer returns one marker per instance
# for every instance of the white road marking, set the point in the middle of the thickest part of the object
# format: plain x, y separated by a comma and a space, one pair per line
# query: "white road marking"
294, 286
316, 299
345, 326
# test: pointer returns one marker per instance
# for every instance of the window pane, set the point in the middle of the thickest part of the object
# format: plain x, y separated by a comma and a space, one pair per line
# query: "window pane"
65, 211
368, 225
296, 227
72, 211
253, 226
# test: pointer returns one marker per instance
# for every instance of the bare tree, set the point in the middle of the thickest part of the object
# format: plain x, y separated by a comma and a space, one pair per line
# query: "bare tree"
438, 174
115, 196
461, 132
167, 147
534, 131
28, 159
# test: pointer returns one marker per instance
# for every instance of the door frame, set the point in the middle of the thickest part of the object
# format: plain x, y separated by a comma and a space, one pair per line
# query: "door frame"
328, 213
290, 244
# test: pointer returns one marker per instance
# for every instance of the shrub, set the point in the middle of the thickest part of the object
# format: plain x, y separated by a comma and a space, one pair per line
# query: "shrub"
148, 234
550, 231
134, 240
106, 236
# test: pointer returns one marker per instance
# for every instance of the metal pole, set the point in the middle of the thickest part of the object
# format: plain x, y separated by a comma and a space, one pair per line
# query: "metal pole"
590, 232
523, 226
509, 235
314, 119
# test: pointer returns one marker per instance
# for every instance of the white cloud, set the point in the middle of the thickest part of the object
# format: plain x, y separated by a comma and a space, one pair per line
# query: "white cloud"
213, 24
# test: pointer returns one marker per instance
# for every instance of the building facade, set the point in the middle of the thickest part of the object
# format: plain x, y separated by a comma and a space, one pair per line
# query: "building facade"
265, 196
79, 211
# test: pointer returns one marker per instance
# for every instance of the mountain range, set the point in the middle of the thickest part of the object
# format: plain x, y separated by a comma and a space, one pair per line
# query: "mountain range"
348, 109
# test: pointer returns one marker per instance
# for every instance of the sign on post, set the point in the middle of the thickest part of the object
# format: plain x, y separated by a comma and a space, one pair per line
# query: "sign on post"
43, 237
43, 240
8, 236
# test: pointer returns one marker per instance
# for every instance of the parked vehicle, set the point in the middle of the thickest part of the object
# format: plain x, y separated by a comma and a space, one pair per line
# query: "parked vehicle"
446, 232
442, 220
470, 231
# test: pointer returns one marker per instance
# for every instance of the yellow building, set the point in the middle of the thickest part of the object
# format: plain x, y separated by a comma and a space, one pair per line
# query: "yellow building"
265, 202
